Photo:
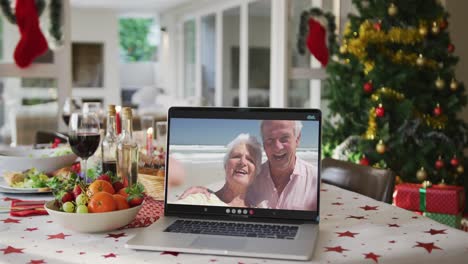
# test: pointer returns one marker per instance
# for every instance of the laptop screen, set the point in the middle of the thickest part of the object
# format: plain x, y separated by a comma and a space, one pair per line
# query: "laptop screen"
243, 162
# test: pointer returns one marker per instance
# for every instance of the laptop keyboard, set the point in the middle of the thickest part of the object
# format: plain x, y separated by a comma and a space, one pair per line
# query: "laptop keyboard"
233, 229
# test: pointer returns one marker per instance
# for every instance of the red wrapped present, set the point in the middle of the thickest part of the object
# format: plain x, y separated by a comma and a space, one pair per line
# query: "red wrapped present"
442, 199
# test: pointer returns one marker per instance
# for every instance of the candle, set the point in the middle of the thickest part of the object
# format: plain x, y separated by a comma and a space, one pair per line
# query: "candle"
149, 142
118, 126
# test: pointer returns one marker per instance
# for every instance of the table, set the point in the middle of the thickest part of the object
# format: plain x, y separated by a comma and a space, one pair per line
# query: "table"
353, 229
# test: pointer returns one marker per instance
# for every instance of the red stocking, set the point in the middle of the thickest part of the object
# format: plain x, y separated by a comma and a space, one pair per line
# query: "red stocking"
32, 43
316, 41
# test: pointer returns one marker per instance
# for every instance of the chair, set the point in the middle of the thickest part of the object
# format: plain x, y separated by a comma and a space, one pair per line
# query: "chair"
47, 137
372, 182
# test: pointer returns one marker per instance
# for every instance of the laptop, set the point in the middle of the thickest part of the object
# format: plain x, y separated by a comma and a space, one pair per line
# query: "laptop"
224, 190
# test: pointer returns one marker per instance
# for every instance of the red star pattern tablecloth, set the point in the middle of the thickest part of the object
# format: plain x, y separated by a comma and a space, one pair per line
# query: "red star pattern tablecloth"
353, 229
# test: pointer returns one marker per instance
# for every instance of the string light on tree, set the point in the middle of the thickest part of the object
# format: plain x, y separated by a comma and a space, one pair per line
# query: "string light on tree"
437, 110
439, 164
439, 83
460, 169
435, 28
380, 147
392, 10
421, 174
380, 111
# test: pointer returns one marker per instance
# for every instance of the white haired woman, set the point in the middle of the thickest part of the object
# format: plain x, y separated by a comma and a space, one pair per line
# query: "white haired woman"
241, 164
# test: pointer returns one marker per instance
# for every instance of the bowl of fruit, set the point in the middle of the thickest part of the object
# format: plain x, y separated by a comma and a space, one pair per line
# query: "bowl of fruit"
101, 206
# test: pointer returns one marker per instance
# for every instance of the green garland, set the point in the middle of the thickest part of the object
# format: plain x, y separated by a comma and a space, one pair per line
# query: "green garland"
55, 14
303, 29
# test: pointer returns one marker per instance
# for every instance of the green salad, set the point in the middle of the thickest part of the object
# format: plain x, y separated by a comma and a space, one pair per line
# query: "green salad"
32, 179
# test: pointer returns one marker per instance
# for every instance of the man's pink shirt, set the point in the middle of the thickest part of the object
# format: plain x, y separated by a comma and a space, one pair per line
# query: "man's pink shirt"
299, 194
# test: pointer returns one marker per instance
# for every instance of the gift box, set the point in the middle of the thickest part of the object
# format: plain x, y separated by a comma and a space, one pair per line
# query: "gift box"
441, 199
446, 219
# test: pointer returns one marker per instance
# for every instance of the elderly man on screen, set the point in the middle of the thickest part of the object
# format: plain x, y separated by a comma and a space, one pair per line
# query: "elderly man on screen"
285, 181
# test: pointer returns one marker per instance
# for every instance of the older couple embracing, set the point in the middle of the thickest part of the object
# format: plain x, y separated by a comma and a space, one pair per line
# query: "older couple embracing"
284, 181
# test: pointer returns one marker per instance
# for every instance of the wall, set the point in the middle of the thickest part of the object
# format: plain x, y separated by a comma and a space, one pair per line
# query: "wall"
457, 28
99, 25
137, 74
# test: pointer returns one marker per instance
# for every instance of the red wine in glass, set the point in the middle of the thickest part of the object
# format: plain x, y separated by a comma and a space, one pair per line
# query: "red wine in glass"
84, 144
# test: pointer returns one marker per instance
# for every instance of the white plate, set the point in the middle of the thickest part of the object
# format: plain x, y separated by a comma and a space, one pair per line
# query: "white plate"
5, 188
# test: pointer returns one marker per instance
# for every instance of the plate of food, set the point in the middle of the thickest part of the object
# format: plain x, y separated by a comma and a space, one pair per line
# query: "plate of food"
31, 180
24, 170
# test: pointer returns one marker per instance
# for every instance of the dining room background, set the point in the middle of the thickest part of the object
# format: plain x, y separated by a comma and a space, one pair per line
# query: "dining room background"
244, 53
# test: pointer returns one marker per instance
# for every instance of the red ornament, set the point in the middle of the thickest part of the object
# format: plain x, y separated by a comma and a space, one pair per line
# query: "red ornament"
454, 161
439, 164
443, 24
364, 161
380, 111
378, 26
437, 110
368, 87
451, 48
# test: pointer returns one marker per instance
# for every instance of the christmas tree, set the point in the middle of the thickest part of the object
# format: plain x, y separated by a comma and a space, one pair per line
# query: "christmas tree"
393, 94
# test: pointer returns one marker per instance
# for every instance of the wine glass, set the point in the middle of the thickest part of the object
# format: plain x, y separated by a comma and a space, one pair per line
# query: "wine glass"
84, 136
95, 107
71, 104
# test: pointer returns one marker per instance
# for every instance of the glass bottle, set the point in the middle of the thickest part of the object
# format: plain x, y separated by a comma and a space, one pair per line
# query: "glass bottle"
109, 143
127, 150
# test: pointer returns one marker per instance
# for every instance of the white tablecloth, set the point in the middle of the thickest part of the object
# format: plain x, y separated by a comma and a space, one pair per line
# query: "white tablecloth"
353, 229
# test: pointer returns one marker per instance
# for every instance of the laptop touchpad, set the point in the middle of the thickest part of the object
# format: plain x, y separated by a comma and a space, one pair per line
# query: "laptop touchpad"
218, 243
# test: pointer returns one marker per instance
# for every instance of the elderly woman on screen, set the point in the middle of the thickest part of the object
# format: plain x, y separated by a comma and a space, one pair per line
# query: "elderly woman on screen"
241, 164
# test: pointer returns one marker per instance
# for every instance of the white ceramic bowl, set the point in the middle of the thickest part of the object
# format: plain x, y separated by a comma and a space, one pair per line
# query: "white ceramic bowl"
92, 222
21, 159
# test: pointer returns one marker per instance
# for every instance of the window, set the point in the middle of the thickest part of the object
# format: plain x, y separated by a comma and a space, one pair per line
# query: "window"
138, 39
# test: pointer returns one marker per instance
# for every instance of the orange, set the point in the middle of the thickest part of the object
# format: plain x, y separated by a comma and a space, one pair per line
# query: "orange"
121, 202
123, 193
100, 186
102, 202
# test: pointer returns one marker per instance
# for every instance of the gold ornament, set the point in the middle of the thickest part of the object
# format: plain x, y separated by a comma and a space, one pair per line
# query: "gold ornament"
440, 83
460, 169
422, 31
453, 85
435, 28
380, 147
420, 60
392, 9
421, 174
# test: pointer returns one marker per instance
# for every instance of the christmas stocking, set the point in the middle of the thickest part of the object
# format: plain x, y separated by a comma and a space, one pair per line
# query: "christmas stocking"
316, 41
32, 43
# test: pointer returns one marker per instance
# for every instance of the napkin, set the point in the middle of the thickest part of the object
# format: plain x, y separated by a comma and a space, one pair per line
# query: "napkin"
21, 208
